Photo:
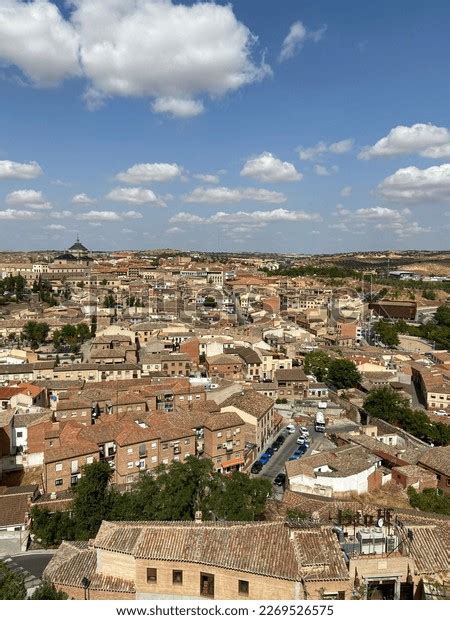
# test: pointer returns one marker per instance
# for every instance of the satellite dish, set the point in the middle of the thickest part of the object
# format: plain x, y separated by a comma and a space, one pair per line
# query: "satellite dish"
380, 522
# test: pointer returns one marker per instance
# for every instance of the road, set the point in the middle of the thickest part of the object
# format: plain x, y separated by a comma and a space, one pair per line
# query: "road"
33, 563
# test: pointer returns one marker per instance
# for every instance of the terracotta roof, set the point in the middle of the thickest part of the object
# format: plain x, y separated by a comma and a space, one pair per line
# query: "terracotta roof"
343, 462
227, 419
437, 459
290, 374
13, 509
430, 548
250, 402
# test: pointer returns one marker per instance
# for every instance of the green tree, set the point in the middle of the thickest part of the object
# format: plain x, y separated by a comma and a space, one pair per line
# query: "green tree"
210, 302
317, 363
429, 500
12, 586
35, 332
93, 499
240, 498
388, 333
50, 529
47, 592
343, 374
442, 316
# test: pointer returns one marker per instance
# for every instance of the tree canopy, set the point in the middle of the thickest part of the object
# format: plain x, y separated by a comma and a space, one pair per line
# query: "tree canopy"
343, 374
317, 363
47, 592
429, 500
71, 336
173, 492
387, 405
35, 332
12, 585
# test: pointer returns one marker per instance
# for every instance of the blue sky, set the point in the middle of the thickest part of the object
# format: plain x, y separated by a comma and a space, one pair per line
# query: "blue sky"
322, 125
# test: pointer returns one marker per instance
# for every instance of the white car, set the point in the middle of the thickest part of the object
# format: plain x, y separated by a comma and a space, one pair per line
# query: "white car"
304, 430
300, 441
290, 429
441, 412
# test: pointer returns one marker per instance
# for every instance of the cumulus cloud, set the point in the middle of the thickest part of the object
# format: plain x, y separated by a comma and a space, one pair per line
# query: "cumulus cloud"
247, 217
346, 191
15, 170
423, 139
135, 195
174, 230
174, 54
83, 199
380, 219
383, 213
109, 216
28, 198
217, 195
323, 171
321, 148
15, 214
145, 173
178, 107
35, 37
207, 178
295, 39
416, 185
267, 168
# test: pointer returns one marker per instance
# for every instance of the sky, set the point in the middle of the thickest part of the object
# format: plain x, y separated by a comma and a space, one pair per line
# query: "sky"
309, 126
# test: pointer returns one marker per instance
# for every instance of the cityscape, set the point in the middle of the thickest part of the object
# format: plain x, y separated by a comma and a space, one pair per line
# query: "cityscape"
224, 302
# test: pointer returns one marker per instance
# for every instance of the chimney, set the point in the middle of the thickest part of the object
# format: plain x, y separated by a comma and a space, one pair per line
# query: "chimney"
198, 516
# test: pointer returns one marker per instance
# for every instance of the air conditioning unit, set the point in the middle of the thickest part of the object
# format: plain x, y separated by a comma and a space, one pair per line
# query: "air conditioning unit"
137, 463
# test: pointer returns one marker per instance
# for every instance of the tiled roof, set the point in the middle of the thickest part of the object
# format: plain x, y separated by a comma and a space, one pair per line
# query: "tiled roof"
437, 459
290, 374
251, 402
430, 548
13, 509
344, 461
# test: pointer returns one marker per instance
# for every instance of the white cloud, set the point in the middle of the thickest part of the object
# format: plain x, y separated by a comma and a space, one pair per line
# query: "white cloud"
15, 170
375, 213
83, 199
178, 107
315, 152
295, 39
170, 52
109, 216
145, 173
414, 185
251, 218
55, 227
15, 214
267, 168
323, 171
135, 195
28, 198
422, 139
346, 191
35, 37
207, 178
175, 230
217, 195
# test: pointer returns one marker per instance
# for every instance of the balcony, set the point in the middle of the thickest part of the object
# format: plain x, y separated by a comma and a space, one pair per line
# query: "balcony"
228, 445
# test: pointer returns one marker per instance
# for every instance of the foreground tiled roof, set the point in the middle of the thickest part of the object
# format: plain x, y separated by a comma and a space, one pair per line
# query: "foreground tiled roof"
437, 459
430, 548
74, 561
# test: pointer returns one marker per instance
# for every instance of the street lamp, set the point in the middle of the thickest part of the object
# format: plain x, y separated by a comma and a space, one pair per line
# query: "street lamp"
85, 582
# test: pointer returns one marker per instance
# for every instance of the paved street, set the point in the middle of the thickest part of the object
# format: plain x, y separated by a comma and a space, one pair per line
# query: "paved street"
33, 563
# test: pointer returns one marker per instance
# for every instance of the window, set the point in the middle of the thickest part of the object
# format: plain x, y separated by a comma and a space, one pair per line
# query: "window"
154, 445
219, 434
74, 467
130, 464
206, 584
177, 577
187, 442
19, 434
165, 446
243, 587
130, 451
59, 482
58, 467
151, 575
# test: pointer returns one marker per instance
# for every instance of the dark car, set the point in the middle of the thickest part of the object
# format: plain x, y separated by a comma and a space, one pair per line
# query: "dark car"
280, 480
270, 451
256, 467
275, 446
280, 439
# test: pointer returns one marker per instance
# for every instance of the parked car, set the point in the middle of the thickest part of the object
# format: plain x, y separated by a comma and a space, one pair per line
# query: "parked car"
270, 451
280, 480
275, 446
304, 430
294, 457
290, 429
299, 452
264, 458
256, 467
280, 439
300, 441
